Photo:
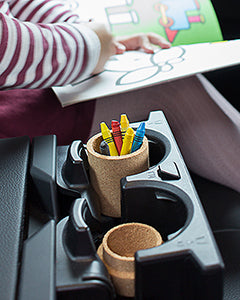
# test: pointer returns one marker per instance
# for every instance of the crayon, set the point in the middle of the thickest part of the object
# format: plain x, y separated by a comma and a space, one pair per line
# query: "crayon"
138, 138
104, 149
124, 124
127, 142
117, 135
107, 136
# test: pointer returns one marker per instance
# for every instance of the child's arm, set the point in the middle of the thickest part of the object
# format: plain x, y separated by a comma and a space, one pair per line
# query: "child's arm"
43, 11
43, 55
40, 56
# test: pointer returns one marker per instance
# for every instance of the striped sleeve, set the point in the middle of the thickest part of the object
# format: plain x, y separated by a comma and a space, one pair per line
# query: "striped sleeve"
4, 7
43, 11
45, 55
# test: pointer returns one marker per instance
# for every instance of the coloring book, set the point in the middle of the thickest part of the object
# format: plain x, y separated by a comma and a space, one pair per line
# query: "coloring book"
190, 25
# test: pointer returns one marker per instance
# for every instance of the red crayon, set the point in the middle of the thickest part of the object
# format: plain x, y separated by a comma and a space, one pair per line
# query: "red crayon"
117, 135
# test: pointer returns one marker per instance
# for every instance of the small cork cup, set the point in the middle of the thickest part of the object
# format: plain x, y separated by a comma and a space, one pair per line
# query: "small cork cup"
107, 171
118, 249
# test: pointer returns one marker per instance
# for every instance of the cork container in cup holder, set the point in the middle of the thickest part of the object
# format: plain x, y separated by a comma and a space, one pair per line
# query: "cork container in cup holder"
107, 171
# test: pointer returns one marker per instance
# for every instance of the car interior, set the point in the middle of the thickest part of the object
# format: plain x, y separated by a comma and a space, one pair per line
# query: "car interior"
51, 225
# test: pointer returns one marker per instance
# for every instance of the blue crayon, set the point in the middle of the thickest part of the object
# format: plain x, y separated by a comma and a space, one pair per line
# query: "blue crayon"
138, 138
104, 149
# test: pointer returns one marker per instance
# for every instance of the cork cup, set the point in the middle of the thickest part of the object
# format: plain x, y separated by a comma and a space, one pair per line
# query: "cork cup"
118, 249
107, 171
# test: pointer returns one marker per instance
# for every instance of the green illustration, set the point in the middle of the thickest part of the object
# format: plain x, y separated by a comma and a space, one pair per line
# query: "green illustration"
179, 21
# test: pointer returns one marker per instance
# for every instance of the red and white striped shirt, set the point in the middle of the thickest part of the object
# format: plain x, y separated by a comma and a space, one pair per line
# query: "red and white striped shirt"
44, 44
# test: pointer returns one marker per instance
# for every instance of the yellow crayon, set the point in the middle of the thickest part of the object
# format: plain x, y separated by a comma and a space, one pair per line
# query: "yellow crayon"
127, 142
107, 136
124, 124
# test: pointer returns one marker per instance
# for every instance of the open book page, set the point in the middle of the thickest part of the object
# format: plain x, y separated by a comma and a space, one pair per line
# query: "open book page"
182, 22
135, 69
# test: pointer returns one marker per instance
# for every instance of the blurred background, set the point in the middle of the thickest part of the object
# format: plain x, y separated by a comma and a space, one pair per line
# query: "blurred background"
227, 80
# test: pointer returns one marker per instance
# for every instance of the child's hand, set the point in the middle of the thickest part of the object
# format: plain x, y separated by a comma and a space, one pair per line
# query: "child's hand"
142, 41
111, 46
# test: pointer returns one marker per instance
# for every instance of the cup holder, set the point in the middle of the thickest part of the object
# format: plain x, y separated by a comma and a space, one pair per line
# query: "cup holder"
164, 207
185, 265
160, 205
159, 147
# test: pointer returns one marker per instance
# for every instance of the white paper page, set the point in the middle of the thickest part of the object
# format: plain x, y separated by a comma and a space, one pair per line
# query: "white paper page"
135, 69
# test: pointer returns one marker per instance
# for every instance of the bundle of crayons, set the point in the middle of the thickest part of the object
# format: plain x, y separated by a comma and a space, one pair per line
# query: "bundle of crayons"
123, 140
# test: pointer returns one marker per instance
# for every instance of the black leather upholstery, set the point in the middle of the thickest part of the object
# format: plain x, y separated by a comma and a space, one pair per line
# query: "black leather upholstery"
14, 155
